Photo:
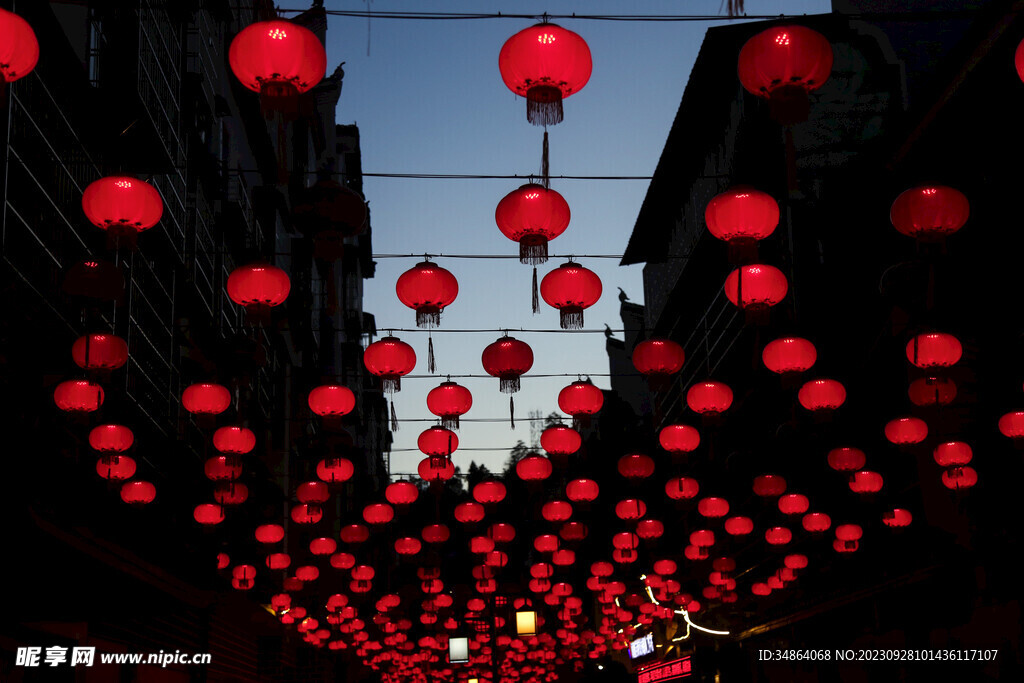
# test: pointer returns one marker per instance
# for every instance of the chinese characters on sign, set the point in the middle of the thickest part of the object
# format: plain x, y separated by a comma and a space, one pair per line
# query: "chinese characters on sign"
54, 656
667, 671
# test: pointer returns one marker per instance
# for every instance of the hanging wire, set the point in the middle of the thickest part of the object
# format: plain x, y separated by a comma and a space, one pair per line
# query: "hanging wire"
463, 16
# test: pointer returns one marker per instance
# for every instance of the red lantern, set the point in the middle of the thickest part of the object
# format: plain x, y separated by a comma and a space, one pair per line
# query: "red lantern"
580, 399
507, 359
795, 561
636, 466
658, 359
502, 533
769, 485
679, 438
1011, 425
756, 287
138, 492
436, 533
783, 64
234, 440
866, 482
906, 431
100, 352
934, 350
778, 535
354, 534
682, 488
323, 546
556, 511
789, 355
469, 512
335, 470
793, 504
230, 493
436, 469
846, 459
115, 467
489, 492
932, 391
709, 398
378, 513
582, 490
208, 514
449, 401
331, 400
258, 287
702, 538
19, 48
545, 63
820, 395
122, 206
307, 573
630, 509
111, 438
427, 288
1018, 59
437, 443
408, 546
573, 531
742, 216
930, 212
532, 215
533, 467
269, 533
739, 526
816, 522
952, 454
78, 396
571, 288
312, 492
307, 514
390, 358
957, 478
401, 493
713, 508
897, 518
206, 399
279, 60
560, 440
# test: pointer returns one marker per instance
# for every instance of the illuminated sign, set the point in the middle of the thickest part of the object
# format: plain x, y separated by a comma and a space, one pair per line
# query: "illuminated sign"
458, 650
642, 646
665, 671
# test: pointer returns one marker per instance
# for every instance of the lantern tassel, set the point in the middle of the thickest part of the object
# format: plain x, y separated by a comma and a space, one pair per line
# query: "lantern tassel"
509, 385
533, 249
571, 318
391, 384
394, 417
545, 165
544, 105
536, 295
431, 363
450, 421
512, 412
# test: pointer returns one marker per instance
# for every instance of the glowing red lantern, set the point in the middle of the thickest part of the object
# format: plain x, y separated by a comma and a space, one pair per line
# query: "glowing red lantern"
769, 485
778, 535
782, 64
401, 493
865, 482
709, 398
573, 531
793, 504
408, 546
1011, 425
234, 440
230, 493
436, 469
78, 396
571, 288
438, 443
742, 216
378, 513
532, 215
958, 478
323, 546
952, 454
315, 492
789, 355
269, 533
934, 350
469, 512
846, 459
816, 522
650, 529
533, 467
507, 359
560, 440
556, 511
111, 438
427, 288
258, 287
545, 63
630, 509
679, 438
658, 359
756, 287
279, 60
489, 492
713, 508
354, 534
121, 205
930, 212
795, 561
138, 492
739, 526
100, 352
682, 488
19, 48
306, 513
436, 533
636, 466
932, 391
390, 358
582, 490
331, 400
502, 533
206, 399
307, 573
449, 401
897, 518
820, 395
115, 467
334, 470
208, 514
278, 561
580, 399
906, 431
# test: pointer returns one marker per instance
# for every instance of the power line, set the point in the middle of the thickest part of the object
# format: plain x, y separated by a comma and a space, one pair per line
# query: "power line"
515, 176
501, 256
501, 329
464, 16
